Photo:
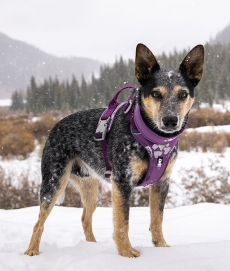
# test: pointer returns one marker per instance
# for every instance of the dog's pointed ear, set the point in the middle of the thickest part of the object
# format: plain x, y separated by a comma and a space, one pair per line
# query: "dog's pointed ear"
145, 63
192, 65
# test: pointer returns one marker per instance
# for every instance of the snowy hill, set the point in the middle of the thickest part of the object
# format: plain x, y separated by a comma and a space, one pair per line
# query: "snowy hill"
19, 61
199, 236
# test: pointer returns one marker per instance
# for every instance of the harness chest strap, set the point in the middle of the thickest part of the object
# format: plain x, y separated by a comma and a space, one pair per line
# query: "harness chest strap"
159, 148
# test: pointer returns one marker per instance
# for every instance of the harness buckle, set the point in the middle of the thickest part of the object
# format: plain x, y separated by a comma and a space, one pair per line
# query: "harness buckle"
101, 131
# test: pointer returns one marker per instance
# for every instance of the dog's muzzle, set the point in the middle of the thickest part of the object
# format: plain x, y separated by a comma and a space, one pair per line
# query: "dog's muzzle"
170, 123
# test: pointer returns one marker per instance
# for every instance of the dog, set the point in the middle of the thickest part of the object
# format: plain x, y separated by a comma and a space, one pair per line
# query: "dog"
71, 154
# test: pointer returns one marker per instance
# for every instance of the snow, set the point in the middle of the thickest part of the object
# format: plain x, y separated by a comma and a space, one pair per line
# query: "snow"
195, 159
199, 236
30, 168
221, 107
5, 102
206, 129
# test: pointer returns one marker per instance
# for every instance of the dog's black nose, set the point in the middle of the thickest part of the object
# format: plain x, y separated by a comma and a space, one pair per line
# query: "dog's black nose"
170, 121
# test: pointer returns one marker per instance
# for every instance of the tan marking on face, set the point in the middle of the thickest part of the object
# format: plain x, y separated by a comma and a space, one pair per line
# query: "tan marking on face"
151, 107
177, 89
185, 105
139, 168
162, 90
121, 226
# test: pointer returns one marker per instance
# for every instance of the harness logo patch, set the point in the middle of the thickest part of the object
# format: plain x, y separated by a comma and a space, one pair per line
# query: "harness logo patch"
160, 149
159, 161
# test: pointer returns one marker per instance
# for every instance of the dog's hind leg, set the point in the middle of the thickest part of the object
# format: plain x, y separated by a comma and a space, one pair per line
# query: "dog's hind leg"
48, 201
157, 195
120, 203
88, 188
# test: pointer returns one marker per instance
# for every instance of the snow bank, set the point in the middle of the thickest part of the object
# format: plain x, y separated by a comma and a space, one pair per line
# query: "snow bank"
199, 236
5, 102
210, 129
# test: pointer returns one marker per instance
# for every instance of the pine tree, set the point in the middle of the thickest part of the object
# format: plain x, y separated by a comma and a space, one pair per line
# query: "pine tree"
17, 101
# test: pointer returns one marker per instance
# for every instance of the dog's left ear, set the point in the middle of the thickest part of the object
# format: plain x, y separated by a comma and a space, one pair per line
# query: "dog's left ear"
192, 65
145, 64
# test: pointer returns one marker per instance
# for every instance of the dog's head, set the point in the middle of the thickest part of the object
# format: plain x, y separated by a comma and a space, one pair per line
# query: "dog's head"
167, 95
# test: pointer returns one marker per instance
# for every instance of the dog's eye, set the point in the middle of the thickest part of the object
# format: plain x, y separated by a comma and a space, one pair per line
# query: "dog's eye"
156, 94
183, 95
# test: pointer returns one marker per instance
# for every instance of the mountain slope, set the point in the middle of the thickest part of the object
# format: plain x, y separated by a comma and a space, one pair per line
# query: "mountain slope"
223, 37
19, 61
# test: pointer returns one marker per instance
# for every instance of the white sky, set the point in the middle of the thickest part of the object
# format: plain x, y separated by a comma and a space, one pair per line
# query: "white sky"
104, 29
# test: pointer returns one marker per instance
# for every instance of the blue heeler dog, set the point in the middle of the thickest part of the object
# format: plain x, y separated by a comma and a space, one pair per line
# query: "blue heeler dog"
72, 154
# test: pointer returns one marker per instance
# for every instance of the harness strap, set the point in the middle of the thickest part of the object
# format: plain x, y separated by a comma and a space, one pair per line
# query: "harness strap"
105, 124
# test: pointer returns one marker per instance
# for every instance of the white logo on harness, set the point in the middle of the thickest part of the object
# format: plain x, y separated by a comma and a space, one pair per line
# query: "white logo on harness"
159, 148
159, 161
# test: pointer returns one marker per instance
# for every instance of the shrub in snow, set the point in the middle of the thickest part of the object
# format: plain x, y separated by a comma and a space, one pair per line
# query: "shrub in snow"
208, 117
208, 141
13, 197
18, 134
204, 184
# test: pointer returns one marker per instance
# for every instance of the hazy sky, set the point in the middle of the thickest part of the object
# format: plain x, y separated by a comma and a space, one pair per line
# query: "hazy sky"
104, 29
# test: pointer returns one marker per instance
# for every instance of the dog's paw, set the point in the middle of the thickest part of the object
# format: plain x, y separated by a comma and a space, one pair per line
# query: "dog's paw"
130, 253
31, 252
160, 244
91, 239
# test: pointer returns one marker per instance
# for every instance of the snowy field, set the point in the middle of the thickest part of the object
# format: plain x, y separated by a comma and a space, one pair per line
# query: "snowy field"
199, 236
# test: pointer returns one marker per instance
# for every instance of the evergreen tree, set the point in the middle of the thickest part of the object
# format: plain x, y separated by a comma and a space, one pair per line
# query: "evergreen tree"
17, 101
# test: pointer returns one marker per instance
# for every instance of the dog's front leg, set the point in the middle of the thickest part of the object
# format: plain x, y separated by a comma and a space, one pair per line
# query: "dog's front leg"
120, 203
157, 195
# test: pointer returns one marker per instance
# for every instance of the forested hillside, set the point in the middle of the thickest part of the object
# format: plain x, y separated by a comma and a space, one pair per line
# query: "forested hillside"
19, 61
72, 95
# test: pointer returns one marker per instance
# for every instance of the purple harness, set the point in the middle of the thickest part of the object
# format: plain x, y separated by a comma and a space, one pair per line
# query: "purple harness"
159, 148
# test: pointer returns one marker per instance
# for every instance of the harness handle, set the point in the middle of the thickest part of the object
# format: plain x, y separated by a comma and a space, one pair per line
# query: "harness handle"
114, 103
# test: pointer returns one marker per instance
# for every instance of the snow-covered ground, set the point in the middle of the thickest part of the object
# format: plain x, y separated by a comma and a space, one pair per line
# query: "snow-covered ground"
5, 102
205, 129
222, 107
199, 236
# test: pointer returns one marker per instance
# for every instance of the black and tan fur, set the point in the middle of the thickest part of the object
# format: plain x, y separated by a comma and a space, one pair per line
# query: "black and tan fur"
72, 155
